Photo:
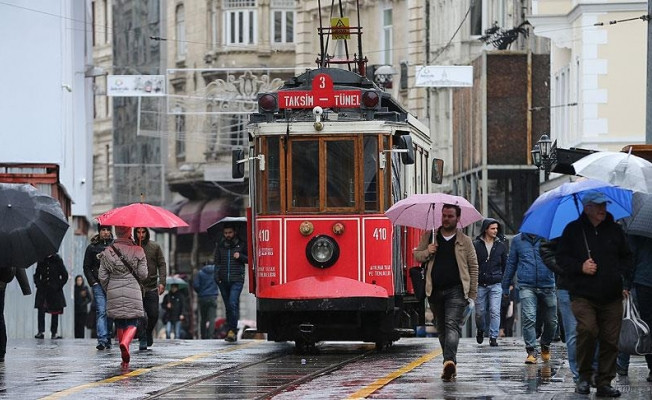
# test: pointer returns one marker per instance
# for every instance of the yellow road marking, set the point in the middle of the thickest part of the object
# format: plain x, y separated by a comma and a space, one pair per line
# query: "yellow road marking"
378, 384
141, 371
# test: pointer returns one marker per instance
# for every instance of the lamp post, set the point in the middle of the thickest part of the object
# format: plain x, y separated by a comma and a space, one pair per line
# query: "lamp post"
383, 76
544, 154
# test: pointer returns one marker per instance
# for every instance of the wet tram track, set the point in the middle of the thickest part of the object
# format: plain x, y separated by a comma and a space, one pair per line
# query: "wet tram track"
276, 373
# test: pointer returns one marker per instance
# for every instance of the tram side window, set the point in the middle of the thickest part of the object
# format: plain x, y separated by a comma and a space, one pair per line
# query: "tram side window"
370, 173
274, 175
305, 174
340, 177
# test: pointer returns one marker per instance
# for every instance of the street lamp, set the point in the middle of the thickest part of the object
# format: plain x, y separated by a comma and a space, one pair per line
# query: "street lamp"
383, 76
544, 154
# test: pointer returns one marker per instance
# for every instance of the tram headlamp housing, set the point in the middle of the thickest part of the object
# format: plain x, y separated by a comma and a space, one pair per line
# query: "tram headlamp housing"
322, 251
267, 103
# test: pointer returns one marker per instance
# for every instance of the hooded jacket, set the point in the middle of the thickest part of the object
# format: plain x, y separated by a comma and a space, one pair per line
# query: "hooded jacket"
91, 262
525, 261
608, 247
490, 266
204, 282
227, 268
156, 267
124, 299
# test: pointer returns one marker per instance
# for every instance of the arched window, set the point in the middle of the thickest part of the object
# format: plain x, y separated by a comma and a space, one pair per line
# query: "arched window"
180, 31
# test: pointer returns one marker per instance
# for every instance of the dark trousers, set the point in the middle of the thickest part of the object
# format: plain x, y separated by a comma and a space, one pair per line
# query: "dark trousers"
448, 307
207, 311
54, 322
597, 324
3, 327
148, 323
80, 324
644, 303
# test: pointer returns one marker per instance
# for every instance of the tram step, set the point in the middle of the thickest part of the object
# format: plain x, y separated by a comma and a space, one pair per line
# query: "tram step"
404, 332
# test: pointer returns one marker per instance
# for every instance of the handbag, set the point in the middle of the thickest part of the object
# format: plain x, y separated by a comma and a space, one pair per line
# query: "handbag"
635, 335
129, 267
418, 277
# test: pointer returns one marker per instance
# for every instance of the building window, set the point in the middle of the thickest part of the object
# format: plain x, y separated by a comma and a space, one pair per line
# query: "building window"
213, 24
387, 36
283, 21
180, 30
180, 130
476, 17
240, 26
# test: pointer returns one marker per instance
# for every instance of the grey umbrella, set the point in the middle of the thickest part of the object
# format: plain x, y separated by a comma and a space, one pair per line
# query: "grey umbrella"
640, 223
240, 224
32, 225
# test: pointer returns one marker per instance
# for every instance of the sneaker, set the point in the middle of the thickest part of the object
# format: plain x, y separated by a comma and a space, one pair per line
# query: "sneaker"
583, 387
55, 336
479, 336
493, 342
449, 372
531, 358
100, 346
545, 354
142, 344
108, 346
231, 337
39, 335
622, 371
607, 391
150, 339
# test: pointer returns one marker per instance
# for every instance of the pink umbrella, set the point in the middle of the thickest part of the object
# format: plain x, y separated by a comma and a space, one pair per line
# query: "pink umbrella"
141, 215
423, 211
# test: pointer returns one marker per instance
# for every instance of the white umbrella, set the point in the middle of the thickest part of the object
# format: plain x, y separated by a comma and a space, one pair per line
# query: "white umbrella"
621, 169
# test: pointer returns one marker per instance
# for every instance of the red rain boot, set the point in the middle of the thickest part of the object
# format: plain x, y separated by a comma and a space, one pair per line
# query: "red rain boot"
127, 336
119, 333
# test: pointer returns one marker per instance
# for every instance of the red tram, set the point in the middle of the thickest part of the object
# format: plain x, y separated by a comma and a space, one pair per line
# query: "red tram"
329, 153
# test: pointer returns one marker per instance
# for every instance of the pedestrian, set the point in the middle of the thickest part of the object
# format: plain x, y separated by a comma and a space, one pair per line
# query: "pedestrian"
206, 288
99, 242
49, 279
6, 276
173, 306
536, 288
82, 300
123, 266
451, 281
492, 257
230, 259
548, 250
594, 254
153, 286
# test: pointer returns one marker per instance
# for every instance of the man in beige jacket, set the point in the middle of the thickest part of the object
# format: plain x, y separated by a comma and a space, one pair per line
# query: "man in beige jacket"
451, 281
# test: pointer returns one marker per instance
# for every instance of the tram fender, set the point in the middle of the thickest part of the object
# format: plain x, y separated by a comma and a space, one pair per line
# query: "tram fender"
323, 287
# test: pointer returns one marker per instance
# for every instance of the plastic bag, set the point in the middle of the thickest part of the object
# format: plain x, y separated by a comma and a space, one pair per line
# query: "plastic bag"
635, 335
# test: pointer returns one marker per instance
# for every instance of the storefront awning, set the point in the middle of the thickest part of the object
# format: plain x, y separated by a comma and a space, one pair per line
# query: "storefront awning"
200, 214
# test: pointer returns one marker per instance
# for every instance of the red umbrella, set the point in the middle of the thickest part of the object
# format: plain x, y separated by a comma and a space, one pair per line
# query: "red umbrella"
141, 214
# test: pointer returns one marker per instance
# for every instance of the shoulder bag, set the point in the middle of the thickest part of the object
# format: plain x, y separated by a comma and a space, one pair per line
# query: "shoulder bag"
634, 332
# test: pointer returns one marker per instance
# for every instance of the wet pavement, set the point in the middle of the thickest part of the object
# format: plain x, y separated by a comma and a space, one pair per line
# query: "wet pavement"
250, 369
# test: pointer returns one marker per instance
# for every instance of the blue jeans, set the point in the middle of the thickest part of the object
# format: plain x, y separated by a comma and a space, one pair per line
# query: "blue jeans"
230, 292
491, 295
448, 307
570, 326
177, 329
530, 298
102, 321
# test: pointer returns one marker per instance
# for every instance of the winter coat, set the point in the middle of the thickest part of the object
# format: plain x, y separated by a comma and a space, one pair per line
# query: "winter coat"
175, 310
82, 300
548, 250
91, 262
156, 267
124, 298
608, 247
525, 261
641, 246
204, 282
490, 266
49, 279
467, 262
227, 268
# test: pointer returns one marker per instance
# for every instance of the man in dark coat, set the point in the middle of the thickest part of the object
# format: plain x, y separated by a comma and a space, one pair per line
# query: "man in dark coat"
230, 259
492, 257
593, 252
98, 243
49, 279
206, 288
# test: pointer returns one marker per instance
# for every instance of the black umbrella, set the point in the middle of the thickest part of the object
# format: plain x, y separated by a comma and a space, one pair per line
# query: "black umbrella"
32, 225
240, 224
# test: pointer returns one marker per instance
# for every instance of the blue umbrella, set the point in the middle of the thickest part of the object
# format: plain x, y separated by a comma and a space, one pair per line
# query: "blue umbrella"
553, 210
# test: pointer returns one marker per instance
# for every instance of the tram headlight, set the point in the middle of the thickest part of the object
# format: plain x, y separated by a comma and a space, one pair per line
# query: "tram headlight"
322, 251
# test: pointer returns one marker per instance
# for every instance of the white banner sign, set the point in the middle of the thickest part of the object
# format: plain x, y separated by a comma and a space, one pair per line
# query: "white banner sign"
135, 85
444, 76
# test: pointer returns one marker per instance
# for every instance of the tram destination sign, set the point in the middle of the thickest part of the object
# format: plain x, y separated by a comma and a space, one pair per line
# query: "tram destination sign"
322, 95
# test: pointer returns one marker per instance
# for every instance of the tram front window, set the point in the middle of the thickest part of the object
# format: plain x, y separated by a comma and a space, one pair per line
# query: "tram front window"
305, 173
340, 176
